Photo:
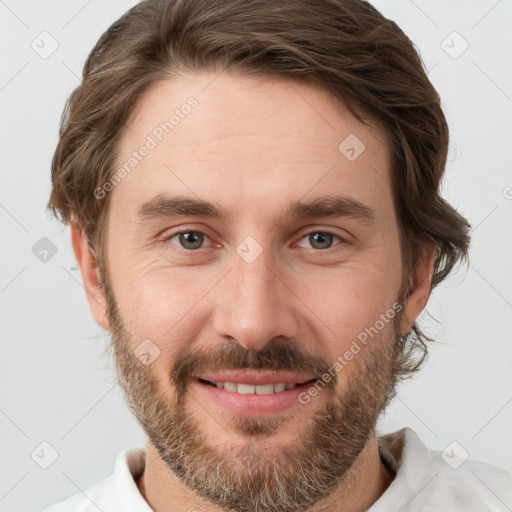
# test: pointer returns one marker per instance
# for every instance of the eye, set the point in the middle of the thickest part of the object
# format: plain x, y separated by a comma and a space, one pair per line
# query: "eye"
188, 240
322, 239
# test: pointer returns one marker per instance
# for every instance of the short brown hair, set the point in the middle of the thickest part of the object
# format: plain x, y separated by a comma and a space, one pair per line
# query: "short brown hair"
343, 46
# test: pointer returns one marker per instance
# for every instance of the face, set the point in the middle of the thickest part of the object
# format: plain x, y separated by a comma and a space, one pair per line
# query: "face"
290, 276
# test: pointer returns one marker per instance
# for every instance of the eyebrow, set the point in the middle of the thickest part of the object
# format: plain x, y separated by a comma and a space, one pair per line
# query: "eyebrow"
164, 206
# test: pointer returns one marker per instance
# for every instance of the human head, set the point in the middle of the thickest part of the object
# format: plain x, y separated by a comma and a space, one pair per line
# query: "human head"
345, 49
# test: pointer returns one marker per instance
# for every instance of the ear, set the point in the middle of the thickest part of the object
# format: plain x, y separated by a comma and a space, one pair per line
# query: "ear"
420, 290
90, 275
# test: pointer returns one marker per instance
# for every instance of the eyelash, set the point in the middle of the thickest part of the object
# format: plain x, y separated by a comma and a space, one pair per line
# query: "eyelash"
181, 250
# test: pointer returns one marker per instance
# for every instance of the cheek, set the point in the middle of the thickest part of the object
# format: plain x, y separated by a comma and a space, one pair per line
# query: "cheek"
162, 304
350, 301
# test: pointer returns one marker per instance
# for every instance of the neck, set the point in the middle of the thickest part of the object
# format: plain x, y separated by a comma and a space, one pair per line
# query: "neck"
365, 482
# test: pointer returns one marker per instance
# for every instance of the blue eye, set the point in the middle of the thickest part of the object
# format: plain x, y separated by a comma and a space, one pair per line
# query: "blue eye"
189, 240
321, 240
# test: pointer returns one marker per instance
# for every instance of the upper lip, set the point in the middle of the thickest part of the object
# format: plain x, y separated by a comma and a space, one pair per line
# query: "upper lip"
255, 377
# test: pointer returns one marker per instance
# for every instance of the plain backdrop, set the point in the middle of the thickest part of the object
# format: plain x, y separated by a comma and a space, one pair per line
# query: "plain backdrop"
56, 384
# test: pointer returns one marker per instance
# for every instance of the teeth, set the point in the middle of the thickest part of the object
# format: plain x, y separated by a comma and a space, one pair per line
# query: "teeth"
249, 389
230, 386
265, 389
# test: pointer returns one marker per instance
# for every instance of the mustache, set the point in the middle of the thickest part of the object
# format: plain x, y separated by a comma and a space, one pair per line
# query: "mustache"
232, 356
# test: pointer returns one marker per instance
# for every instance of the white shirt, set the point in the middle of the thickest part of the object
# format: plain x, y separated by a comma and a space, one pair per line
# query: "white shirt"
423, 482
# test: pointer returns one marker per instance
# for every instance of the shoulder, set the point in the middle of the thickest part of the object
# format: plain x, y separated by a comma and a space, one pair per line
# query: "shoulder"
473, 486
433, 480
118, 492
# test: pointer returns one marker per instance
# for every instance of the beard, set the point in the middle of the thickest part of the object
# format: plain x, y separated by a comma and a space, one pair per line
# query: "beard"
259, 475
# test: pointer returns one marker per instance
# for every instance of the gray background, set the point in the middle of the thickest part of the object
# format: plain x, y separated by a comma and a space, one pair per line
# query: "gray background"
56, 384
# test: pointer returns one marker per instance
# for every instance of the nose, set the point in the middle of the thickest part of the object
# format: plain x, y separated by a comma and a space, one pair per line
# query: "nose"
254, 303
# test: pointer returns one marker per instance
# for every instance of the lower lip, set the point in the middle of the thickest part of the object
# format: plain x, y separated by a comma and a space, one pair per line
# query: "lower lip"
252, 405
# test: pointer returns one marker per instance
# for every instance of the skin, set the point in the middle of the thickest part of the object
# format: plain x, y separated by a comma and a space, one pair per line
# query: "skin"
253, 146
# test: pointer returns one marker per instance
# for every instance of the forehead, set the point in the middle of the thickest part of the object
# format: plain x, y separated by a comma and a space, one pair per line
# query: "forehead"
248, 141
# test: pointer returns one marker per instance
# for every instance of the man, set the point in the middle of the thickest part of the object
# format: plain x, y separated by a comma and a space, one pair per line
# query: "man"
253, 194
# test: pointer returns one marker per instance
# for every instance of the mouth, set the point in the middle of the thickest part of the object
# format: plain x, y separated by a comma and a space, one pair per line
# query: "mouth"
251, 399
252, 389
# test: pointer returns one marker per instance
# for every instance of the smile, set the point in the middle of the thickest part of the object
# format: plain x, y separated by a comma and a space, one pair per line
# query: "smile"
249, 389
